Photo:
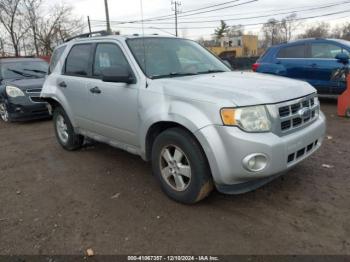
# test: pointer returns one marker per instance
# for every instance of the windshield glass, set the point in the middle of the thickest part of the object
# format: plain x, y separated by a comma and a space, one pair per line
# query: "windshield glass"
23, 69
172, 57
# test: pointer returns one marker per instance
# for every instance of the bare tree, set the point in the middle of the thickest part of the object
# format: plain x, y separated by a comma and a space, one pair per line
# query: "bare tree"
235, 30
288, 26
272, 33
11, 13
57, 26
2, 46
341, 32
320, 30
32, 17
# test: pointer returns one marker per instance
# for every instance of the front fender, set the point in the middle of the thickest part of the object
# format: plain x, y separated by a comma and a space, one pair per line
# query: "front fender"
189, 115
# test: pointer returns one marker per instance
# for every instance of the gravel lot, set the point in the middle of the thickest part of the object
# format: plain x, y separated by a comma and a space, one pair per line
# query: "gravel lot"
58, 202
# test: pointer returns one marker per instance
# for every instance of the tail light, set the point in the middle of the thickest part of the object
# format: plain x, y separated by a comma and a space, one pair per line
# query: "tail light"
255, 67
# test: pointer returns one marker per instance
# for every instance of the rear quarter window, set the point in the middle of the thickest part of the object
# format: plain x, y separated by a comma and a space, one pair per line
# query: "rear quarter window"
264, 55
295, 51
56, 57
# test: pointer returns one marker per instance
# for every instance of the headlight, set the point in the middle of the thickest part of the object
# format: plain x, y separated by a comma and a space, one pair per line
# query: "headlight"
13, 91
250, 119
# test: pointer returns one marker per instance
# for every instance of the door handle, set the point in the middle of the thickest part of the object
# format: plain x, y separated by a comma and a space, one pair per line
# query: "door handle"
62, 84
95, 90
313, 65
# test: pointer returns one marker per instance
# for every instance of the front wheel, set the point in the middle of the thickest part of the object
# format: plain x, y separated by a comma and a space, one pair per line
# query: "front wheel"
181, 167
64, 131
4, 113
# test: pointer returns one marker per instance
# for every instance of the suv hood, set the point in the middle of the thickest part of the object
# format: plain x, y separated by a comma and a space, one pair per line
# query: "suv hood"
27, 83
243, 88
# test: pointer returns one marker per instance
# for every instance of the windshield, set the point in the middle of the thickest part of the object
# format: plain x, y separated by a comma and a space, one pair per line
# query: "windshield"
172, 57
23, 69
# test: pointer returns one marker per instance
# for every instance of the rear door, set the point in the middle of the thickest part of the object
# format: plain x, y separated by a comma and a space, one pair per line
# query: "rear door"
323, 64
292, 61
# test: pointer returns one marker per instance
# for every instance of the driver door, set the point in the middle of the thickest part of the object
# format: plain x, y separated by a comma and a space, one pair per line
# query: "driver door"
112, 107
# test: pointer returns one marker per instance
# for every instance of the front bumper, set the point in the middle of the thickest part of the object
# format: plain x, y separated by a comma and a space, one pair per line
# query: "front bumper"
226, 147
23, 108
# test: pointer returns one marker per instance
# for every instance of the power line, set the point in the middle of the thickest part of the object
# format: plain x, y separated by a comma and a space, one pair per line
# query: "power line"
251, 24
189, 11
185, 15
255, 17
184, 12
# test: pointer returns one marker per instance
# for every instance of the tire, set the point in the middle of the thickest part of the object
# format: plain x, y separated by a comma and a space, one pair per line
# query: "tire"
347, 113
64, 131
4, 115
181, 167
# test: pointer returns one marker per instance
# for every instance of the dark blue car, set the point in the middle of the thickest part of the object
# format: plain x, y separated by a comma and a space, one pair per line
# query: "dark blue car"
311, 60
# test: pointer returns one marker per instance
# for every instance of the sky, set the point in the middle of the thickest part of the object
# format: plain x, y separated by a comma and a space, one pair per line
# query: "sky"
193, 26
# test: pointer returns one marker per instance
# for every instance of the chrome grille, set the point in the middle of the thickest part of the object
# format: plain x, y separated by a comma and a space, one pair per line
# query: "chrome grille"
296, 114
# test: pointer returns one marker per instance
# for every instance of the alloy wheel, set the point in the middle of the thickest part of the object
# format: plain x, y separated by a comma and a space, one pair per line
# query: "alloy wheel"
175, 168
62, 129
4, 113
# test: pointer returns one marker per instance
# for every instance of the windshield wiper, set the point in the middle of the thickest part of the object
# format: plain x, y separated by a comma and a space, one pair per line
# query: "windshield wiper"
211, 72
35, 71
173, 75
22, 73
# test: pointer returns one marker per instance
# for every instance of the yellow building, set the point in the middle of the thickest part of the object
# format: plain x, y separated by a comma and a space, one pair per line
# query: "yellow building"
229, 47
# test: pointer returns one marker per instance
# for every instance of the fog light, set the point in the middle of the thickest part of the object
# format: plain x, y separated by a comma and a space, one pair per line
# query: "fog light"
255, 162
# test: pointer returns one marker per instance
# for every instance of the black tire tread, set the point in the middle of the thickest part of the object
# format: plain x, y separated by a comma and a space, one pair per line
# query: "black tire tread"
75, 141
203, 184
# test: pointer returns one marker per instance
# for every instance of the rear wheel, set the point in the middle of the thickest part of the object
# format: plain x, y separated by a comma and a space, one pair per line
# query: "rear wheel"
181, 167
347, 113
4, 113
64, 131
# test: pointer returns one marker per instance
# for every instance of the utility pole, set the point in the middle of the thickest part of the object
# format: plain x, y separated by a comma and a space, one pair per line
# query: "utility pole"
109, 30
89, 24
176, 4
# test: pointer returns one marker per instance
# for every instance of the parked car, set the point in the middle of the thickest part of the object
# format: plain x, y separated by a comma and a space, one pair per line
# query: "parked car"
311, 60
172, 102
21, 81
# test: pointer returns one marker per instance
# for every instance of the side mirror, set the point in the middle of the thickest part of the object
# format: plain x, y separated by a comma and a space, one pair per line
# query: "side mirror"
227, 63
117, 74
342, 58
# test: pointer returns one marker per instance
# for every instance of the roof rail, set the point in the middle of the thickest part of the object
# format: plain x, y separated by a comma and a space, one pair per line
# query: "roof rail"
86, 35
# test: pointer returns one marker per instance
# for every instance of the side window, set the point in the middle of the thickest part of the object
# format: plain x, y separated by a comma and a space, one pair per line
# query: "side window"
108, 56
56, 57
295, 51
325, 51
77, 63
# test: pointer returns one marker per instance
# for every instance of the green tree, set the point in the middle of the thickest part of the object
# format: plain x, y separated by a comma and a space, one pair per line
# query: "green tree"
221, 30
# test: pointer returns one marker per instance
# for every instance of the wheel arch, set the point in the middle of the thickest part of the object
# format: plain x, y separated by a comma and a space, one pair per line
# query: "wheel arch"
54, 103
159, 127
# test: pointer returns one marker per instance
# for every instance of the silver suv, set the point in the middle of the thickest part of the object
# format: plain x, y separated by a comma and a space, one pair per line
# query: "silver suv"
172, 102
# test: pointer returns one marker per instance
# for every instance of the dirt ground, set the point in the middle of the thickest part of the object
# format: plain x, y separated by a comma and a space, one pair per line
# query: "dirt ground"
58, 202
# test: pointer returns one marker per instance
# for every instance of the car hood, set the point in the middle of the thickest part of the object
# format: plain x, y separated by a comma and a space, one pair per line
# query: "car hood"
243, 88
25, 84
